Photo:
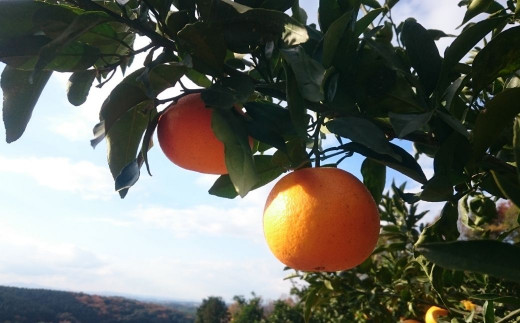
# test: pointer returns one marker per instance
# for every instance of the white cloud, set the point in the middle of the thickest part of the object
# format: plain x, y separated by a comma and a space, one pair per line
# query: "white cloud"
205, 220
29, 260
83, 178
25, 256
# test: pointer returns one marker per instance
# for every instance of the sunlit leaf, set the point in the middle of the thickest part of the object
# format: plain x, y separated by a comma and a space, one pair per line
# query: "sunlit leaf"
374, 177
475, 7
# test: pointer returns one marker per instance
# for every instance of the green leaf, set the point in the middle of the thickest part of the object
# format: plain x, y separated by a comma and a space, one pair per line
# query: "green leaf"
176, 20
131, 92
499, 112
123, 141
16, 17
508, 184
231, 130
308, 72
423, 53
228, 91
374, 178
20, 97
437, 189
206, 44
79, 86
265, 169
454, 123
128, 176
79, 25
296, 104
364, 132
258, 26
491, 257
269, 123
362, 24
449, 162
328, 12
405, 124
475, 7
198, 78
516, 144
333, 37
469, 38
406, 164
443, 229
280, 5
371, 3
489, 312
23, 53
510, 300
486, 67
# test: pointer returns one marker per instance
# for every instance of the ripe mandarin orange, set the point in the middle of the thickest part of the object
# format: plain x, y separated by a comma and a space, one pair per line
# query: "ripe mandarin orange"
433, 314
321, 219
187, 139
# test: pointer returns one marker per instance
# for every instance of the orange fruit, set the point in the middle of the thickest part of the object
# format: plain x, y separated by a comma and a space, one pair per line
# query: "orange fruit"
410, 321
468, 305
321, 219
187, 139
433, 314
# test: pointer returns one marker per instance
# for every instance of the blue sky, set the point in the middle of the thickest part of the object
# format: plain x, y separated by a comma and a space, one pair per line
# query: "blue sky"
62, 226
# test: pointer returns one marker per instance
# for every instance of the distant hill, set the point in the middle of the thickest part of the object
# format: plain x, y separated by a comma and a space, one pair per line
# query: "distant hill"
41, 305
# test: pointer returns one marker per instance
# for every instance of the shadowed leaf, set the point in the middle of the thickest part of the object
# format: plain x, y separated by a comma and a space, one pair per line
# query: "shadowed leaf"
229, 129
498, 113
20, 97
123, 141
491, 257
265, 169
486, 67
79, 86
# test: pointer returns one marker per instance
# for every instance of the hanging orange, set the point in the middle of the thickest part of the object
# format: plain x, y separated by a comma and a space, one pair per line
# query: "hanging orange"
187, 139
321, 219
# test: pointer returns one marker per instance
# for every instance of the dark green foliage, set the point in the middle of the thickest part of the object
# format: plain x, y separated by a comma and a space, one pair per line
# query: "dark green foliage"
212, 310
247, 311
39, 305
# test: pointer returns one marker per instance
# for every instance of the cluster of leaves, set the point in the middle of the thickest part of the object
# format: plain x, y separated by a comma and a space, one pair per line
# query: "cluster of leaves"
253, 310
356, 75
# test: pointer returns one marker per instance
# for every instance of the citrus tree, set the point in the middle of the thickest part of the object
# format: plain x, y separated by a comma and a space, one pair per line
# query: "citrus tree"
276, 87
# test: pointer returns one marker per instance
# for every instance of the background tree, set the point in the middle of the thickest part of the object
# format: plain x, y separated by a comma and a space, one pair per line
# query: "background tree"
357, 77
247, 310
212, 310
